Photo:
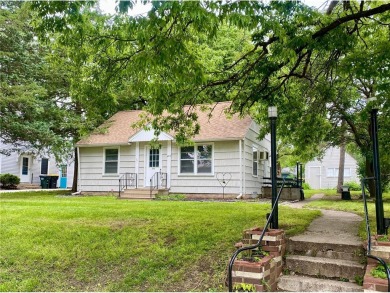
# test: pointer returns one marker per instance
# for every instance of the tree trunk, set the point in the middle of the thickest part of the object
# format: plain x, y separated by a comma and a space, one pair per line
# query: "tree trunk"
340, 180
76, 171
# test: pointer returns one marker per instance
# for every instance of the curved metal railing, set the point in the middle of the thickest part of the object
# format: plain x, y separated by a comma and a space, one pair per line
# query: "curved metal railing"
127, 180
368, 230
158, 180
258, 244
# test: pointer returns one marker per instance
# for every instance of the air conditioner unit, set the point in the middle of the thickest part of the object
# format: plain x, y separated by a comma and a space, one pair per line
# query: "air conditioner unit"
263, 156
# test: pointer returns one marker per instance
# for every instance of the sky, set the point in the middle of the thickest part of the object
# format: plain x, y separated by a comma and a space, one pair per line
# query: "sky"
108, 6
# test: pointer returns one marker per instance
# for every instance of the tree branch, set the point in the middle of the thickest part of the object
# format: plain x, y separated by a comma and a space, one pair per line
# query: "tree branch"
340, 21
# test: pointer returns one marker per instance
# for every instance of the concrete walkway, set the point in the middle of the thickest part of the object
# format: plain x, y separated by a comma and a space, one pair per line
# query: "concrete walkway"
30, 190
333, 226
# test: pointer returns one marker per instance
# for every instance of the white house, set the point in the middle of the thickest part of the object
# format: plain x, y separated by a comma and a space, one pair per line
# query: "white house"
225, 150
323, 174
28, 167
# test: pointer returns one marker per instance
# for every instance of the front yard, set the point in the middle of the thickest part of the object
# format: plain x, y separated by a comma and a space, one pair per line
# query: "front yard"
52, 242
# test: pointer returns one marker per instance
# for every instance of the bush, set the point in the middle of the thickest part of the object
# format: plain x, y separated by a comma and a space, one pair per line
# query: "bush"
306, 186
353, 186
171, 197
9, 181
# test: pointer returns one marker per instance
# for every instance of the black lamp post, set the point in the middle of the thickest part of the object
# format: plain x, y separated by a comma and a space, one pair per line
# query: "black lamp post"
380, 219
272, 115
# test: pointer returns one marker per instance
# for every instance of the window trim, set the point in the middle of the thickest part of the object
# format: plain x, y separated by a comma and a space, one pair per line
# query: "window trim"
195, 173
104, 161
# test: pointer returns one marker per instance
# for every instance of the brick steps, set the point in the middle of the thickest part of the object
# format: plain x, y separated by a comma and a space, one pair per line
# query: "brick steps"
315, 265
325, 267
328, 250
298, 283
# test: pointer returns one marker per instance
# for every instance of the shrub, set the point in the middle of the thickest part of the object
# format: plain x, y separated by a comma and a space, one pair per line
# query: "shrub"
353, 186
306, 186
171, 197
8, 180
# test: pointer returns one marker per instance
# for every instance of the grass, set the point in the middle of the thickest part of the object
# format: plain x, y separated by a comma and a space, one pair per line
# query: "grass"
355, 206
327, 192
52, 242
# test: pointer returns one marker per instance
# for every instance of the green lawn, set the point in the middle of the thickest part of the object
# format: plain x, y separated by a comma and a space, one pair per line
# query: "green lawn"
334, 202
51, 242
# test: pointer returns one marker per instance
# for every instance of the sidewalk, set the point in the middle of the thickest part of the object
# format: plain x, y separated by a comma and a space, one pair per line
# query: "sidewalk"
335, 226
29, 190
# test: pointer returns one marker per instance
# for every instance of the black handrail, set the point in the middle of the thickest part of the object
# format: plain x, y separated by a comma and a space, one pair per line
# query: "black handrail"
159, 179
369, 235
258, 244
127, 180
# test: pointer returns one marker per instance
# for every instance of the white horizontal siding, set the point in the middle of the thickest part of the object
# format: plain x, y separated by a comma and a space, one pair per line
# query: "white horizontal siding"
226, 160
330, 160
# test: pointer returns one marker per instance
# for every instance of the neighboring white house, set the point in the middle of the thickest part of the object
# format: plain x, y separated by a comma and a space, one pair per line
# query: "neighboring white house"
28, 167
225, 149
323, 174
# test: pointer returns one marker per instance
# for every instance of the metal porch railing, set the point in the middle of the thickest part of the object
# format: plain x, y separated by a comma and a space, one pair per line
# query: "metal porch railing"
127, 180
368, 230
257, 245
157, 181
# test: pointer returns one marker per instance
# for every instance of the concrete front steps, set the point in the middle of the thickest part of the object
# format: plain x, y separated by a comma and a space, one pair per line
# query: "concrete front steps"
141, 193
28, 186
312, 266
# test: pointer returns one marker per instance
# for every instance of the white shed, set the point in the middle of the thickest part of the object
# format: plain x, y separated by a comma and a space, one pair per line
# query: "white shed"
323, 173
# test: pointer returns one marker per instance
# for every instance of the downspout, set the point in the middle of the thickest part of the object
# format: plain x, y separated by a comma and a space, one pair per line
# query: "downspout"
137, 160
79, 185
240, 152
169, 163
243, 167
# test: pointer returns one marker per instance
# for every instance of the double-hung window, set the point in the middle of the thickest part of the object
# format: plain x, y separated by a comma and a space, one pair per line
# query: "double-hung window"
334, 172
196, 159
255, 162
44, 166
111, 157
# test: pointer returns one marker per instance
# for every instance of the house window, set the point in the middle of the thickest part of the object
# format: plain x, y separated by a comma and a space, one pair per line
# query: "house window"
332, 172
154, 158
44, 166
196, 159
111, 161
64, 171
255, 162
25, 166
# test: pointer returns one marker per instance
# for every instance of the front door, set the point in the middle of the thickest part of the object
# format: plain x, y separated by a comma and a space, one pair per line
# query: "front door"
63, 176
153, 162
25, 169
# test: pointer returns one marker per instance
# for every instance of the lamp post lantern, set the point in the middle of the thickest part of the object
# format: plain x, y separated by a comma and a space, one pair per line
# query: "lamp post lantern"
272, 115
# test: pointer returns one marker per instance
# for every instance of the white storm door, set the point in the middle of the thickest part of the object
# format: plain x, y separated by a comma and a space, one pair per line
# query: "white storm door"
153, 163
25, 169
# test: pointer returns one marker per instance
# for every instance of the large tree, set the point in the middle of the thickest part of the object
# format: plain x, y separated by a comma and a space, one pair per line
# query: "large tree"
318, 68
33, 115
